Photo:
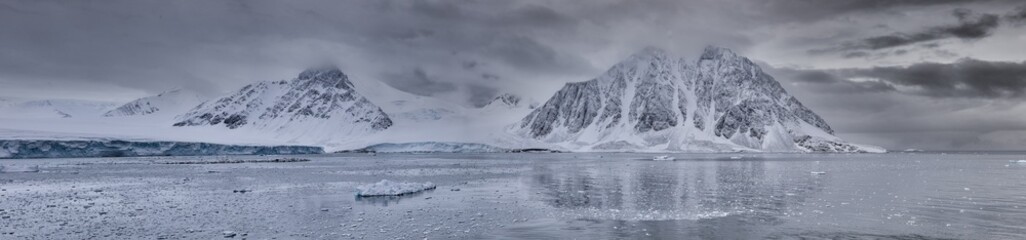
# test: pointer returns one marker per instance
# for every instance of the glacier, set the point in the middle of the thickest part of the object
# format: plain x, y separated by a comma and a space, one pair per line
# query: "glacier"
656, 102
431, 147
120, 148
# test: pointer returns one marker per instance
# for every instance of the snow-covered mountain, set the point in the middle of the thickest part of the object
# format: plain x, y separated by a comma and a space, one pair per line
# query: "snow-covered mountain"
53, 108
319, 104
167, 103
655, 102
509, 101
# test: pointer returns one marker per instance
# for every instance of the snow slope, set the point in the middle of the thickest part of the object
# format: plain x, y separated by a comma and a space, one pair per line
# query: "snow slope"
165, 104
52, 108
656, 102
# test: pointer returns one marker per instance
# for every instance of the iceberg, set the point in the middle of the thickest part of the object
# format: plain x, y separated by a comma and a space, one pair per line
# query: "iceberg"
663, 158
390, 188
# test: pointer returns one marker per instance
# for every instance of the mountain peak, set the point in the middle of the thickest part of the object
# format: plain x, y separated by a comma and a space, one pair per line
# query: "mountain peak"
717, 52
650, 52
323, 72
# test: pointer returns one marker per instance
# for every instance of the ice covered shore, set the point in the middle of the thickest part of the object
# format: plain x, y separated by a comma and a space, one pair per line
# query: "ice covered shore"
118, 148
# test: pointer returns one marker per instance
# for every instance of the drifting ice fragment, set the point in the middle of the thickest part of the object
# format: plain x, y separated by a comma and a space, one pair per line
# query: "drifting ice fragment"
1018, 161
663, 158
818, 173
735, 157
19, 168
390, 188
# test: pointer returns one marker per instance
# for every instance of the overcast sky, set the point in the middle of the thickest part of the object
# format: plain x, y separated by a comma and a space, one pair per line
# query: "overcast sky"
932, 74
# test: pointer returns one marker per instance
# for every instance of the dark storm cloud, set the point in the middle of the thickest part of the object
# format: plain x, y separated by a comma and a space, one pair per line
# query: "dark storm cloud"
971, 26
966, 78
418, 82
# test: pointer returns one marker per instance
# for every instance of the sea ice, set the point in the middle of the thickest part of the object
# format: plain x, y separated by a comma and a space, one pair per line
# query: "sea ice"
390, 188
19, 168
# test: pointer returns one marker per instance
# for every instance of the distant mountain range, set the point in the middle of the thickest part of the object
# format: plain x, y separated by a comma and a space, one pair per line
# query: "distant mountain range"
721, 102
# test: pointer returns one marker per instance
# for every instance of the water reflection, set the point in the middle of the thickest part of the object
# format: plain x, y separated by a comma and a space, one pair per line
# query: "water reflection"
716, 199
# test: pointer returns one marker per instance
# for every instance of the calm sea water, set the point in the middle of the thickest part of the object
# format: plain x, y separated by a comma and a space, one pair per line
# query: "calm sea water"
522, 196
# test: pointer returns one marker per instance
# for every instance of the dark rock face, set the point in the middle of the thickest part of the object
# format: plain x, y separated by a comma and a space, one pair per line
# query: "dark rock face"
575, 106
507, 99
721, 95
324, 94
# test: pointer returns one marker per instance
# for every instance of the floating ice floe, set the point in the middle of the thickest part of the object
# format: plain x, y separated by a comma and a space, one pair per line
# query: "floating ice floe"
663, 158
818, 173
390, 188
736, 157
19, 168
1018, 161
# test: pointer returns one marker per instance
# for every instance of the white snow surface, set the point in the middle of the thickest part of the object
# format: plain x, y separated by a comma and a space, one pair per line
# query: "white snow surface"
166, 104
52, 108
390, 188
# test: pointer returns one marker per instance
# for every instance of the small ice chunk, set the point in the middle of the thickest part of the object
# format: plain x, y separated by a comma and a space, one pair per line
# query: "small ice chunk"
818, 173
390, 188
663, 158
19, 168
1018, 161
735, 157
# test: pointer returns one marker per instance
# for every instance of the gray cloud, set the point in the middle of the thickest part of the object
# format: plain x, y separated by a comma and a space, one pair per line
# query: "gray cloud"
418, 82
480, 95
1018, 16
971, 26
811, 10
966, 78
909, 107
827, 81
